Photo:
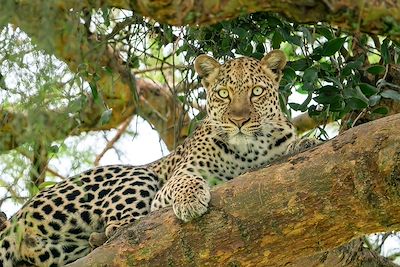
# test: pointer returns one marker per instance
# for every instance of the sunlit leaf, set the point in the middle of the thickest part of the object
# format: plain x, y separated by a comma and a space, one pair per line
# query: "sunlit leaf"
368, 89
332, 46
376, 69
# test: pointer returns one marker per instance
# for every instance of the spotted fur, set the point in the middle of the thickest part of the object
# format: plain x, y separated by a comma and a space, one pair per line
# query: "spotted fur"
244, 129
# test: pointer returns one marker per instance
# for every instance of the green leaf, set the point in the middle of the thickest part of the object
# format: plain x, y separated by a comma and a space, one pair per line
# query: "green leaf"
353, 93
303, 106
332, 46
352, 65
276, 40
376, 69
33, 190
106, 117
356, 103
134, 62
53, 149
295, 106
260, 48
317, 53
392, 94
240, 32
95, 93
328, 90
307, 34
385, 51
181, 98
374, 99
336, 102
381, 110
195, 122
368, 89
326, 66
168, 34
289, 75
336, 81
105, 12
310, 75
294, 39
324, 31
330, 95
46, 184
299, 65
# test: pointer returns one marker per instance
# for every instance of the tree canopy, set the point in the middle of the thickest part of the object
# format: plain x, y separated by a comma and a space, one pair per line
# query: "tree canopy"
74, 73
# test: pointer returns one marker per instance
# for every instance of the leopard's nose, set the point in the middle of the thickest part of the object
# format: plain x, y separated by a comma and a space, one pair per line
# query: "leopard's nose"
239, 121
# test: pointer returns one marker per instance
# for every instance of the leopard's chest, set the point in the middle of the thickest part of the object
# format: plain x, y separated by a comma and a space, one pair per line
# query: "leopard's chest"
223, 160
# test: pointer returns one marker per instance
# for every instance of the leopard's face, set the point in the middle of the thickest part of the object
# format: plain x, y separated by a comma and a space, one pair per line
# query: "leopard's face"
242, 94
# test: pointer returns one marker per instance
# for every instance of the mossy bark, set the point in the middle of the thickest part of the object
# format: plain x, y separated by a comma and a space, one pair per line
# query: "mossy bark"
307, 203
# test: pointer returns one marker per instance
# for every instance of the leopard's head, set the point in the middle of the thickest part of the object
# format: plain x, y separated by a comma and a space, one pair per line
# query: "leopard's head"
242, 94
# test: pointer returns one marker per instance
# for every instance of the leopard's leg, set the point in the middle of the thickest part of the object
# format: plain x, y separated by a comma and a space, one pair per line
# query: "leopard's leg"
189, 196
127, 204
7, 242
7, 251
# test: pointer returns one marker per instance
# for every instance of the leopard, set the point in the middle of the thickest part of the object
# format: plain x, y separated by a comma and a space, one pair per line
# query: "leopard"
245, 128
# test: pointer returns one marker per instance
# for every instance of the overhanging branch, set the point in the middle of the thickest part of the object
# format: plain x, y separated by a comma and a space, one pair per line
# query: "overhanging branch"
17, 128
310, 202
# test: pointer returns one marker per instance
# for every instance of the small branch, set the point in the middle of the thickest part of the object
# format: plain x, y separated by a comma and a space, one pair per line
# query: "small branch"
181, 67
50, 170
111, 143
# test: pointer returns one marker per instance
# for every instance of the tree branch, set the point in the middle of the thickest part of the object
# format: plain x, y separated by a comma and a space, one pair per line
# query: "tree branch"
17, 128
111, 143
310, 202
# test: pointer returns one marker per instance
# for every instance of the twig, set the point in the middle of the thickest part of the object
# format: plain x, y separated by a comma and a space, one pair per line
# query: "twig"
358, 117
160, 68
50, 170
111, 143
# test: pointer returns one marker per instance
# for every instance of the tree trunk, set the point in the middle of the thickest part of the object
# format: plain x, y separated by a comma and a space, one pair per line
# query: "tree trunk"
306, 204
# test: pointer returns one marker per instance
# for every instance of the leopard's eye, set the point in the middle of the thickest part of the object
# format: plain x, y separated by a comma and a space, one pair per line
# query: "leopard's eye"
223, 93
257, 90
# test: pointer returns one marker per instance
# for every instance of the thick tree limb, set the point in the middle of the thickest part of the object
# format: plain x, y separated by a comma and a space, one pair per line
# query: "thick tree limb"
353, 254
309, 203
380, 16
368, 16
18, 128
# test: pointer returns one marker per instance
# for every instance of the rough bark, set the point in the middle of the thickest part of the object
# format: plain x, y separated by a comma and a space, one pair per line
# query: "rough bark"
308, 203
367, 16
378, 16
353, 254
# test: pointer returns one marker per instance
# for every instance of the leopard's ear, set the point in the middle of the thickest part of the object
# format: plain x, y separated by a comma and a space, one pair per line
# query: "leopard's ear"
275, 61
205, 65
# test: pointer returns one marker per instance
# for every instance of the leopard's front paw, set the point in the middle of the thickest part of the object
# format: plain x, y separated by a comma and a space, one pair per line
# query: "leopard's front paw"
191, 200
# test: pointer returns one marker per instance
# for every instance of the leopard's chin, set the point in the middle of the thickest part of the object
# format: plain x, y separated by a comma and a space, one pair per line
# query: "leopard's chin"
240, 138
